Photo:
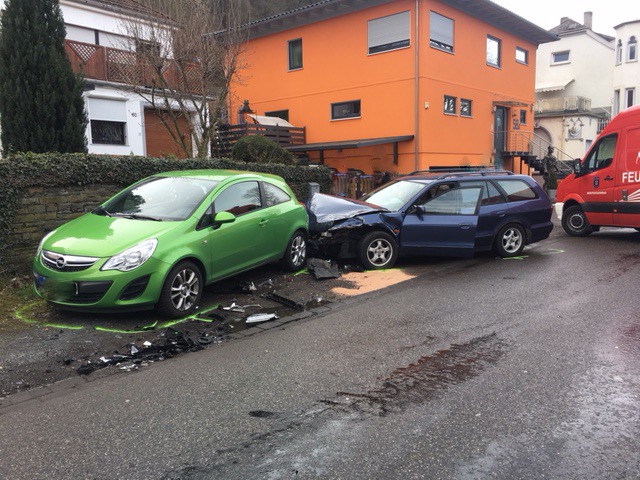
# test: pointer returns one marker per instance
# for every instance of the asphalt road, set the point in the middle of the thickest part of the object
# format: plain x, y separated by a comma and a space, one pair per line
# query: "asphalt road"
482, 368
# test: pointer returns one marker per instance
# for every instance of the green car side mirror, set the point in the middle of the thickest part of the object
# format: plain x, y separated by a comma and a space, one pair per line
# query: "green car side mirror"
223, 217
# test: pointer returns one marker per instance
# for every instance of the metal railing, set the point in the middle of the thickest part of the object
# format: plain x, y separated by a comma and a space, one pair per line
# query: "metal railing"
533, 148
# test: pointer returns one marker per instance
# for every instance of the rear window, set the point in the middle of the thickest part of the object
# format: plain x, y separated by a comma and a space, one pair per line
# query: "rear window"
516, 190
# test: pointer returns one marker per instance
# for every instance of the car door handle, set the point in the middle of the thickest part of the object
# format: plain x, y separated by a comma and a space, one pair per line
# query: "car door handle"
501, 213
465, 226
263, 222
608, 177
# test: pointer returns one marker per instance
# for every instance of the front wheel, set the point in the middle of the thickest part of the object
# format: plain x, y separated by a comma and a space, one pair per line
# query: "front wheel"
377, 250
510, 241
295, 256
575, 222
181, 291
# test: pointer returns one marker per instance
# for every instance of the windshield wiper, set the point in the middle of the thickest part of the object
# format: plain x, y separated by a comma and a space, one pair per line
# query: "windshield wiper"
102, 211
136, 216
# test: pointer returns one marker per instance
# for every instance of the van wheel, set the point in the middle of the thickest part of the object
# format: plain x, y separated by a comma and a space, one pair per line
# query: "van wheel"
295, 256
575, 222
510, 241
181, 291
377, 250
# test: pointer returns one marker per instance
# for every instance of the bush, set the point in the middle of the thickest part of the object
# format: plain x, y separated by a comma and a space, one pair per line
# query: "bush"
19, 173
259, 149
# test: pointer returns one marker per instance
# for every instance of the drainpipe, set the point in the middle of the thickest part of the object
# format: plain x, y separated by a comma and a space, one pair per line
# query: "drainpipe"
416, 86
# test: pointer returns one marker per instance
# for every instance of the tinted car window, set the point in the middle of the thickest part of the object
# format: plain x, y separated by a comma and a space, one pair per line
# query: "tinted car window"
238, 199
516, 190
459, 201
275, 195
490, 196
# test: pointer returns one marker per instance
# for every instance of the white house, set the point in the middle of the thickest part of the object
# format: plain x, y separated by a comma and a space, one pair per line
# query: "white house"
120, 121
626, 72
573, 87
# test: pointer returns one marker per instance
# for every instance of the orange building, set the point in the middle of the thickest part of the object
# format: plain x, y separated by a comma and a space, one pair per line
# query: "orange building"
397, 86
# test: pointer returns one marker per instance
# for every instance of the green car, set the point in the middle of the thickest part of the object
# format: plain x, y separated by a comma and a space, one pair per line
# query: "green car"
160, 241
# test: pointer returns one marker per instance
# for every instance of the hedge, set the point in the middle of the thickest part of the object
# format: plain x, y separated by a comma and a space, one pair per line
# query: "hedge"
19, 172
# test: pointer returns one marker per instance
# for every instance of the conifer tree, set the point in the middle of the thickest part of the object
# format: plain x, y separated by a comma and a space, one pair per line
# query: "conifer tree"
41, 104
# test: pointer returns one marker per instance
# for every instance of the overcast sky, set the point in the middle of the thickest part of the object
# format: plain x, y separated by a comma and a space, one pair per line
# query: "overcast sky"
547, 13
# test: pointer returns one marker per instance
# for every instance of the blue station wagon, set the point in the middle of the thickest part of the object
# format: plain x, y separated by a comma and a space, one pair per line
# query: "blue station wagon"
428, 213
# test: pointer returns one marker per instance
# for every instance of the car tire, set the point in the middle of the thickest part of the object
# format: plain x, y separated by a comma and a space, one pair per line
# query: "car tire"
377, 250
181, 292
510, 240
295, 256
575, 222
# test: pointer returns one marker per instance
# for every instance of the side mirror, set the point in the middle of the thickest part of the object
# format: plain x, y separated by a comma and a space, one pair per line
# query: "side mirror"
419, 209
222, 218
577, 166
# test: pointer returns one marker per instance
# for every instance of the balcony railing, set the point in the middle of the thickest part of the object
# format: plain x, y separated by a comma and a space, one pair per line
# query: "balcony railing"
122, 66
227, 135
563, 104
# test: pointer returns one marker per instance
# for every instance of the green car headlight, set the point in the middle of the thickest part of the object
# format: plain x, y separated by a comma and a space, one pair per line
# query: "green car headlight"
132, 257
40, 245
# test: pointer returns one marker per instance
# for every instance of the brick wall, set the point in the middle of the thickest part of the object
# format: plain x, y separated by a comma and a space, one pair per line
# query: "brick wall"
42, 209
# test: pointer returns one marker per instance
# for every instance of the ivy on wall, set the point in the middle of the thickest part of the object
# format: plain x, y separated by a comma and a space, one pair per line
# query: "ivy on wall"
19, 172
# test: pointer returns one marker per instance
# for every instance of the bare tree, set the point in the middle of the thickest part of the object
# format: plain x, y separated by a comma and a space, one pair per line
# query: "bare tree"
185, 59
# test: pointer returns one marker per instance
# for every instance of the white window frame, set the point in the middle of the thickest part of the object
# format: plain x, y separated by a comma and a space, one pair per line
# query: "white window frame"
632, 49
629, 97
389, 33
619, 52
561, 62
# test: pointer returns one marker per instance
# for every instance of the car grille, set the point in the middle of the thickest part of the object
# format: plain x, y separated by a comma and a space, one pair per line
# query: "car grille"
66, 263
89, 292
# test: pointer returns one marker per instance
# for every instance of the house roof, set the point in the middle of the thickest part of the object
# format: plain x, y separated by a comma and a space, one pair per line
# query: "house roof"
569, 27
485, 10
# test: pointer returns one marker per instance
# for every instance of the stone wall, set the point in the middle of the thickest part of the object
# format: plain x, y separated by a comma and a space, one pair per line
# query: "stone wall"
43, 209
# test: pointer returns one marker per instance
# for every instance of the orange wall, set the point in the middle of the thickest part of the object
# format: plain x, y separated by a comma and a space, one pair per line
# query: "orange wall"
336, 67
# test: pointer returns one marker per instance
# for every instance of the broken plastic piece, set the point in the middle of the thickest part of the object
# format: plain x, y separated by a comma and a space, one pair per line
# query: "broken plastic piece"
323, 268
261, 317
284, 301
134, 350
234, 308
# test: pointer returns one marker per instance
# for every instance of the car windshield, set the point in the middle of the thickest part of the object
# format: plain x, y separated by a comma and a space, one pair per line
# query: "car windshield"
394, 196
159, 199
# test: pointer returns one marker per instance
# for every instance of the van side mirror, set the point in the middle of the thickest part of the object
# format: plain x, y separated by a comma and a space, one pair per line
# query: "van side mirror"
577, 165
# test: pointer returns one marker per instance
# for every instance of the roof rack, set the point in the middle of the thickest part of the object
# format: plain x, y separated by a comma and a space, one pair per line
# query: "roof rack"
460, 172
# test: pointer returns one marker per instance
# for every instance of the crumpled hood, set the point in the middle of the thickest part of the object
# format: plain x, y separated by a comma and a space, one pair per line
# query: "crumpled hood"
325, 209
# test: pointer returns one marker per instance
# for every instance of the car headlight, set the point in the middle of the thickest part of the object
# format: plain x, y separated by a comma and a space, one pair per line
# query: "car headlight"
132, 257
42, 242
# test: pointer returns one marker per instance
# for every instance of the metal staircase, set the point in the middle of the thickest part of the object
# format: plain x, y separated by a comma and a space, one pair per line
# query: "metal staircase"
532, 149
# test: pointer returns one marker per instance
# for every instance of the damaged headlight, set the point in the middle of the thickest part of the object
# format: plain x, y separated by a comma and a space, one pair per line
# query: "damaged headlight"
131, 258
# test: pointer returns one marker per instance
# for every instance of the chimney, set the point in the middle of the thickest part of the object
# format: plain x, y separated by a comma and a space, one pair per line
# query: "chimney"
588, 20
